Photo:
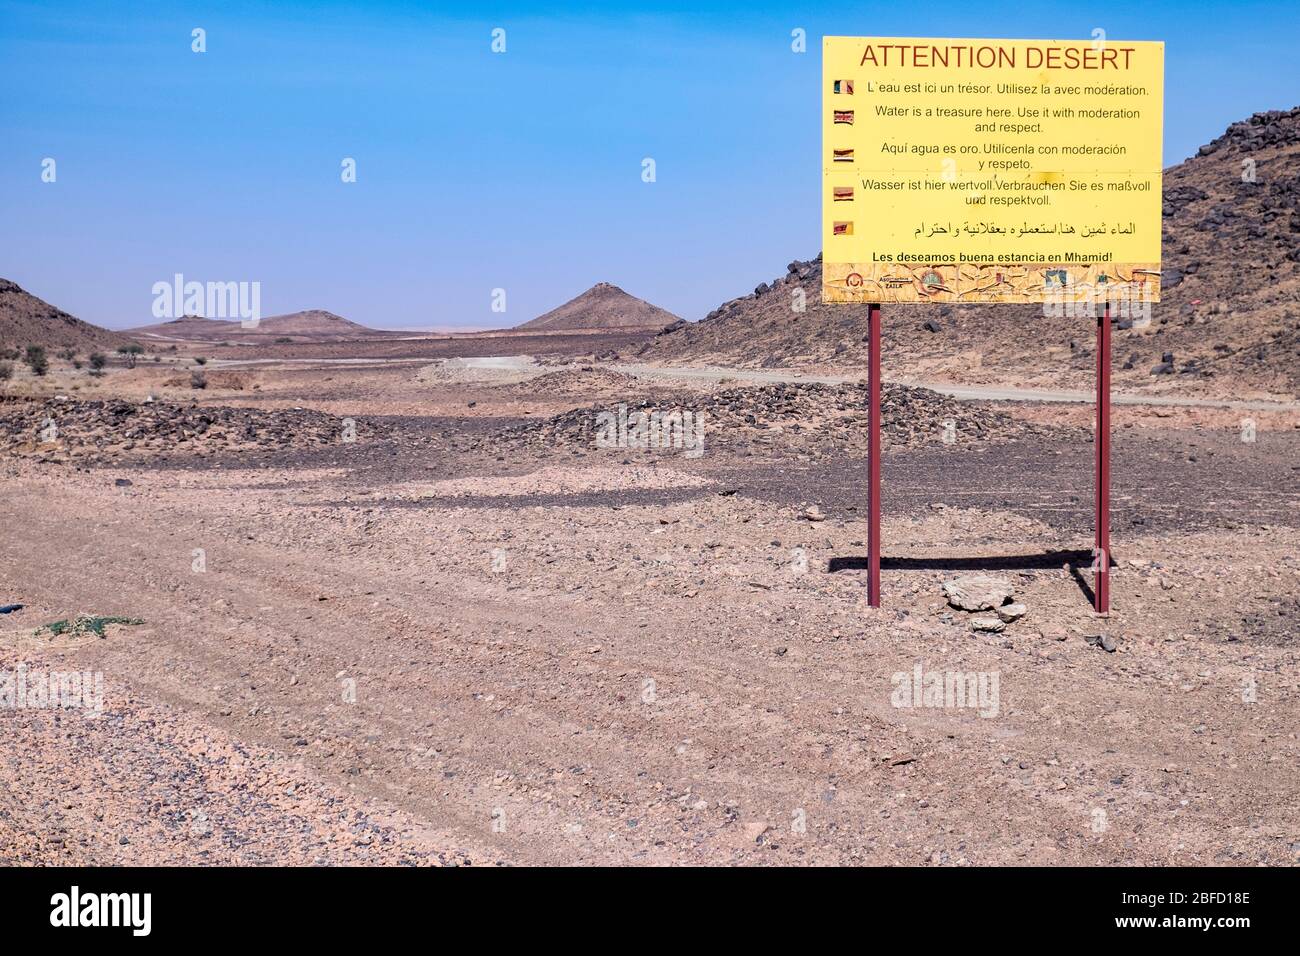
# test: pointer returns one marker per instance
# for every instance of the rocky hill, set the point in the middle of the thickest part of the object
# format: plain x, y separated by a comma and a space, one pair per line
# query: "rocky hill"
26, 320
603, 306
1229, 320
313, 324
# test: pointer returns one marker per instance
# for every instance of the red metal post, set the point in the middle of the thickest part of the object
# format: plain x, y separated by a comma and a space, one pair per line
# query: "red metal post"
873, 451
1101, 579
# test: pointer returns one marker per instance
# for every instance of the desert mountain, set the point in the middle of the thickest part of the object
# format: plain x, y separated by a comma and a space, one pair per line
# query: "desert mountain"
315, 324
1229, 316
27, 320
603, 306
187, 328
311, 322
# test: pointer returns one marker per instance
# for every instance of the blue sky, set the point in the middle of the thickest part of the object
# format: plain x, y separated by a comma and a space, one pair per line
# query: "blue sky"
478, 170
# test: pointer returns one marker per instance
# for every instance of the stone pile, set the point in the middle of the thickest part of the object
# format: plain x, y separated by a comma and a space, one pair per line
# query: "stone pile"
805, 416
117, 428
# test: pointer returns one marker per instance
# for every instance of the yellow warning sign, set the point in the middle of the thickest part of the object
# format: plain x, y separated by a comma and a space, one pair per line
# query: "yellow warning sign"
991, 170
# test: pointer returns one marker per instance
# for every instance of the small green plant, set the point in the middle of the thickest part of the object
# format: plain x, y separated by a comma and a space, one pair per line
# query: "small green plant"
198, 380
200, 360
97, 362
6, 371
283, 340
36, 360
84, 624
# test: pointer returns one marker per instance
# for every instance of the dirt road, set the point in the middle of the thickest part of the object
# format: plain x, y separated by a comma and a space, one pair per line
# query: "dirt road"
714, 374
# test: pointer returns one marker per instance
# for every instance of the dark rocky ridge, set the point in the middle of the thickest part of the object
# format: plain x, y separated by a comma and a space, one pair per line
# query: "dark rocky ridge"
115, 428
809, 418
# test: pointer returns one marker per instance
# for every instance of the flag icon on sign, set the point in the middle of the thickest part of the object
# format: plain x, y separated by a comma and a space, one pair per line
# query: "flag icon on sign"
842, 229
844, 116
843, 86
842, 155
842, 193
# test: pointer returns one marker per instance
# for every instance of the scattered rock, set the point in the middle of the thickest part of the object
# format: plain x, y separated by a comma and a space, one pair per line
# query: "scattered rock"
116, 428
583, 381
809, 416
977, 592
1011, 612
1104, 641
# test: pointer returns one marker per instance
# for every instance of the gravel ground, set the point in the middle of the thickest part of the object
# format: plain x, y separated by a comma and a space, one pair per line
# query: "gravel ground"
408, 650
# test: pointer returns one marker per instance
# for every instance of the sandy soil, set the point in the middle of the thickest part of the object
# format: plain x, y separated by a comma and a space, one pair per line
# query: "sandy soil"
417, 648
